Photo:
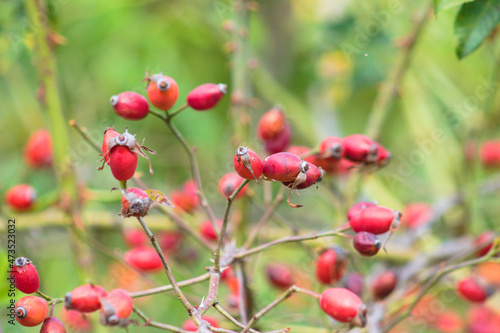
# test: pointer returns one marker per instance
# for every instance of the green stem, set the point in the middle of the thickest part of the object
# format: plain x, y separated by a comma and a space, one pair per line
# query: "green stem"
169, 287
176, 112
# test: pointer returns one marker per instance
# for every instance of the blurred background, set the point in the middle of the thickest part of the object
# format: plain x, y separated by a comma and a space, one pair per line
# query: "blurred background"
324, 62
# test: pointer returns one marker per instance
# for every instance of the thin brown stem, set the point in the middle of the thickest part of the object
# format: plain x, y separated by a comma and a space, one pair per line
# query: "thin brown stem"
162, 289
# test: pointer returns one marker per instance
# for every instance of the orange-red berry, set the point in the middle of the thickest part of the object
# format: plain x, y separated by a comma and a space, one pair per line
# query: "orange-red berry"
86, 298
31, 311
162, 91
38, 149
21, 197
247, 163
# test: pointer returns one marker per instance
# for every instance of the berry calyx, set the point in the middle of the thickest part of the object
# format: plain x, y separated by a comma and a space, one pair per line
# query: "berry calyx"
31, 311
366, 243
283, 167
38, 149
206, 96
384, 284
162, 91
25, 275
143, 258
331, 265
313, 175
21, 197
52, 325
279, 275
116, 307
343, 305
247, 163
331, 147
86, 298
130, 105
135, 202
474, 289
229, 183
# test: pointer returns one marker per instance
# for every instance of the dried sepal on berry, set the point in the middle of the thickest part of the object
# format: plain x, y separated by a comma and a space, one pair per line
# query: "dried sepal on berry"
136, 202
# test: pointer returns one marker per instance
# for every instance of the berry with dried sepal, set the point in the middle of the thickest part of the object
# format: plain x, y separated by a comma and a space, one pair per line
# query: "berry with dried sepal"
162, 91
313, 175
366, 243
283, 167
247, 163
86, 298
116, 307
135, 202
331, 265
361, 149
143, 258
21, 197
206, 96
331, 148
31, 311
109, 133
52, 325
38, 149
279, 275
384, 284
130, 105
25, 275
229, 183
343, 305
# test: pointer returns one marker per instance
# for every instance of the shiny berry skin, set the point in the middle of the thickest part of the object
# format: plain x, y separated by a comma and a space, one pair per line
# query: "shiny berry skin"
343, 305
144, 258
271, 124
490, 154
314, 175
162, 91
473, 289
76, 321
279, 143
38, 149
416, 214
283, 167
229, 183
123, 162
358, 208
279, 275
384, 284
52, 325
207, 229
376, 219
130, 105
331, 147
247, 163
484, 243
135, 237
21, 197
86, 298
26, 275
366, 243
206, 96
31, 311
135, 202
331, 265
354, 282
109, 134
190, 326
116, 308
170, 241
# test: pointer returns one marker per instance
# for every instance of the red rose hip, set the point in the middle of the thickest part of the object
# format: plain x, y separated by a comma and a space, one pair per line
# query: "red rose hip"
135, 202
206, 96
375, 219
331, 147
38, 149
116, 308
31, 311
367, 244
279, 275
343, 305
283, 167
279, 143
247, 163
474, 289
21, 197
190, 326
384, 284
271, 124
52, 325
143, 258
229, 183
25, 275
130, 105
358, 208
86, 298
331, 265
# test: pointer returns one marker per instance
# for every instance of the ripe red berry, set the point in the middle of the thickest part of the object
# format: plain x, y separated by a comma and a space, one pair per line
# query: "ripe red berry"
279, 143
52, 325
484, 243
135, 202
135, 237
331, 147
207, 229
343, 305
279, 275
449, 322
21, 197
38, 149
123, 162
109, 133
190, 326
229, 183
473, 289
361, 149
482, 319
490, 153
116, 308
25, 275
384, 284
283, 167
271, 124
358, 208
366, 243
162, 91
331, 265
206, 96
144, 258
313, 175
130, 105
375, 219
354, 282
86, 298
76, 321
247, 163
416, 214
186, 198
31, 310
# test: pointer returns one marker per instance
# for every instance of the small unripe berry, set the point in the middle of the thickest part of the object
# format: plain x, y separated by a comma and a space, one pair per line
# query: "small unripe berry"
52, 325
116, 308
206, 96
358, 208
144, 258
86, 298
366, 243
331, 265
279, 275
21, 197
38, 149
190, 326
375, 219
343, 305
416, 214
162, 91
354, 282
130, 105
229, 183
474, 289
247, 163
490, 153
31, 311
283, 167
384, 284
271, 124
25, 275
280, 143
331, 147
135, 202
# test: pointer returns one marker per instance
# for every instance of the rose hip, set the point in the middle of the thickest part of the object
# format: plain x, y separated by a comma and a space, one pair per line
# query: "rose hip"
331, 265
474, 289
206, 96
384, 284
162, 91
38, 149
279, 275
375, 219
130, 105
271, 124
229, 183
25, 275
367, 244
343, 305
52, 325
31, 311
21, 197
86, 298
116, 308
143, 258
283, 167
247, 163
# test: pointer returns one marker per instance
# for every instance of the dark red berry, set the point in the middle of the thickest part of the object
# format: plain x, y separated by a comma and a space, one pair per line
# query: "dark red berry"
313, 175
25, 275
343, 305
283, 167
331, 147
384, 284
130, 105
21, 197
38, 149
474, 289
52, 325
279, 275
375, 219
31, 311
279, 143
271, 124
358, 208
247, 163
366, 243
416, 214
144, 258
206, 96
229, 183
484, 243
86, 298
331, 265
116, 307
354, 282
162, 91
135, 202
190, 326
170, 241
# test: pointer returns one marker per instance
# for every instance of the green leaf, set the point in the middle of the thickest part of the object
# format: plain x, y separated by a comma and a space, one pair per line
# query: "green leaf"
440, 5
474, 23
